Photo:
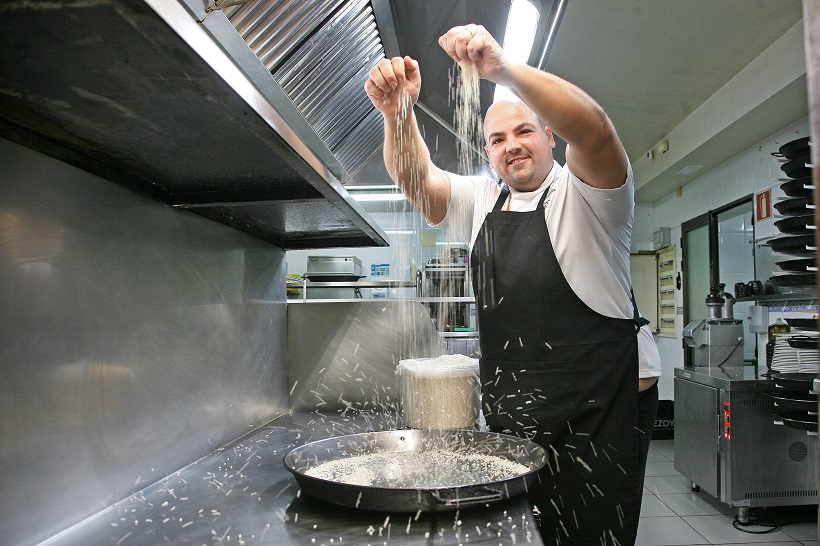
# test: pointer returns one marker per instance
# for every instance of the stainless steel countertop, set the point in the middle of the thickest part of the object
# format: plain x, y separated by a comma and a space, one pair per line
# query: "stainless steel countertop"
242, 494
730, 378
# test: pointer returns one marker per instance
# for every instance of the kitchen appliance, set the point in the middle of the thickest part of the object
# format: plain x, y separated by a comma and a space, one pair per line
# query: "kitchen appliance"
717, 340
460, 489
444, 286
730, 441
329, 269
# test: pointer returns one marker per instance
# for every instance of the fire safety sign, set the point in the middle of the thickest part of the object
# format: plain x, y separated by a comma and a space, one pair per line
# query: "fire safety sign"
763, 205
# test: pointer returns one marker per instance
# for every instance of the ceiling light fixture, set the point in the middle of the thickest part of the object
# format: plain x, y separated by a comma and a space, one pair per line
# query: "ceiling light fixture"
519, 36
361, 197
689, 169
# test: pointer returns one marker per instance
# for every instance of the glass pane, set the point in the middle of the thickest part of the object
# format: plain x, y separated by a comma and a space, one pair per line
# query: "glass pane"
696, 273
736, 262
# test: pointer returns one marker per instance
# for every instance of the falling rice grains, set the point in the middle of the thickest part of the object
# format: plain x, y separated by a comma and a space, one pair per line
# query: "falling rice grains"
464, 88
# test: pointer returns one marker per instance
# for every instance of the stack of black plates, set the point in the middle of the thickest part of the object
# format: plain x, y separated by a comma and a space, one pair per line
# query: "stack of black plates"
797, 224
794, 400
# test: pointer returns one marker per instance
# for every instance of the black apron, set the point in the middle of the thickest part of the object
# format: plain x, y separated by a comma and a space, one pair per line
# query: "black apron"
555, 371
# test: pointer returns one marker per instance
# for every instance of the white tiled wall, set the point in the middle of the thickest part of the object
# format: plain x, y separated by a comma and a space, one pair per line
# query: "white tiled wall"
749, 172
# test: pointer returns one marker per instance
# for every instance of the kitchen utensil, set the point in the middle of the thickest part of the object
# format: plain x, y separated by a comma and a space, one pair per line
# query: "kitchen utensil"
446, 486
797, 168
742, 290
796, 206
797, 245
800, 187
801, 420
803, 342
802, 323
799, 265
797, 225
755, 288
794, 279
795, 148
793, 380
791, 400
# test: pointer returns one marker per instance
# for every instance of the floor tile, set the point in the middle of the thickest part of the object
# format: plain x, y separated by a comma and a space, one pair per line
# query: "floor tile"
664, 447
802, 531
719, 530
652, 506
669, 531
809, 543
655, 456
660, 485
661, 468
766, 544
695, 504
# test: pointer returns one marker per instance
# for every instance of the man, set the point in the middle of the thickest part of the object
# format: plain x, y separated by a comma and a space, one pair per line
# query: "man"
558, 327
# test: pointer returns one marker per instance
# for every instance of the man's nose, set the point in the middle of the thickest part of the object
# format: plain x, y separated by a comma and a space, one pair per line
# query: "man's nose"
513, 145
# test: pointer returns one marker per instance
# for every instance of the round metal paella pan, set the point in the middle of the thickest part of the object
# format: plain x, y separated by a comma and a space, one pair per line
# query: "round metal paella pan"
412, 470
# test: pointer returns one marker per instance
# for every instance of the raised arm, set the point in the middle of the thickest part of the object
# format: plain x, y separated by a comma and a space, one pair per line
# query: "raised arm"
594, 151
393, 87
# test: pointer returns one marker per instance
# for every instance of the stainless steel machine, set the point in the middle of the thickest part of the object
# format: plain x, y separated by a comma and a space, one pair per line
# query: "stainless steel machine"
330, 269
717, 340
729, 437
444, 287
730, 443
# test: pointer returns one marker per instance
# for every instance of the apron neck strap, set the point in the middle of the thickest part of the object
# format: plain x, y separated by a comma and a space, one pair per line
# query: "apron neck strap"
636, 315
505, 192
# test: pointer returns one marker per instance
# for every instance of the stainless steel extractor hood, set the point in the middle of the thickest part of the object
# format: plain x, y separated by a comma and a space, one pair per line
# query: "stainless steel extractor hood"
166, 98
320, 52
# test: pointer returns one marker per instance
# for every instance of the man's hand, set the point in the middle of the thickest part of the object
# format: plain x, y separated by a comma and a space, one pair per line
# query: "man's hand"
394, 85
472, 43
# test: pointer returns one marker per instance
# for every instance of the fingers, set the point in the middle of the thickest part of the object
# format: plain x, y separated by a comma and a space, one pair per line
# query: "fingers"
464, 42
389, 74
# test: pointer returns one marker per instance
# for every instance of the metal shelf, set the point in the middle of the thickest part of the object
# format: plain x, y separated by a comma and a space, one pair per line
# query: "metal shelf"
802, 295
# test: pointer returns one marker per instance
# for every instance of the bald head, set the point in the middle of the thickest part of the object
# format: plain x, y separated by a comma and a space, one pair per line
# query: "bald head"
506, 109
518, 145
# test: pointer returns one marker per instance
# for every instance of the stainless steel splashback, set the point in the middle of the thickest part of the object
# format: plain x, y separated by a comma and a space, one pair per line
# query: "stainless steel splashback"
343, 355
134, 339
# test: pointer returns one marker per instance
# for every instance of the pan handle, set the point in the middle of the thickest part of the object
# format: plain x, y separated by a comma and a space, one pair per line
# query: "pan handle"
490, 495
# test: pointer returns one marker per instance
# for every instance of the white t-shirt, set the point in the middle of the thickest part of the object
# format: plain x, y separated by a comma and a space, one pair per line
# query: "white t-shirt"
590, 229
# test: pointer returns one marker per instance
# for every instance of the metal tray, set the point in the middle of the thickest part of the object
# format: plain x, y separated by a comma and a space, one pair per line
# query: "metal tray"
794, 279
799, 187
794, 400
800, 147
803, 323
449, 487
797, 225
793, 380
801, 420
800, 265
796, 245
796, 206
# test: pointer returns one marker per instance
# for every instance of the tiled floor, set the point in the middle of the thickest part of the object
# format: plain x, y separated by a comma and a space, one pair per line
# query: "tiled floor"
672, 514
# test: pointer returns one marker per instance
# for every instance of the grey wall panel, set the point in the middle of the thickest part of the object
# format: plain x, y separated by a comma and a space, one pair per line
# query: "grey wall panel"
134, 339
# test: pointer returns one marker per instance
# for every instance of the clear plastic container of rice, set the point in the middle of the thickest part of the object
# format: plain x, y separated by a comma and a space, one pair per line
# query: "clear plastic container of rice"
439, 393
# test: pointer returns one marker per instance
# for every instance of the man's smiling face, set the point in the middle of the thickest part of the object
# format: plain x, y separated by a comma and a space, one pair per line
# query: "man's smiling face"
518, 145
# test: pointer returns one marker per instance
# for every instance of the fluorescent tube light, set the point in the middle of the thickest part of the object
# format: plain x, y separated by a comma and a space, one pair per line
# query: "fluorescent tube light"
518, 39
377, 196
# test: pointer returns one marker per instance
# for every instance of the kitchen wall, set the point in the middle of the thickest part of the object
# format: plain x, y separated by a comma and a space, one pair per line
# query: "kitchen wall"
134, 339
749, 172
